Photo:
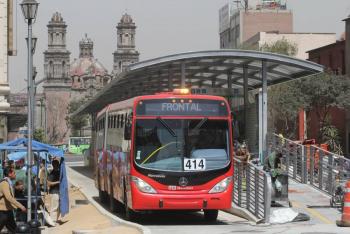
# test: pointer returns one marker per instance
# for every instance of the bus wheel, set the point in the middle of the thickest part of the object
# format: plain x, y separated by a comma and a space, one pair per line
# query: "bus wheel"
130, 215
112, 203
102, 196
211, 215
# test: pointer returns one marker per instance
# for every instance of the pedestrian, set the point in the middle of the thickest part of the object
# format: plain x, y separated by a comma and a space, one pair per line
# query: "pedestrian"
272, 164
20, 196
53, 182
7, 201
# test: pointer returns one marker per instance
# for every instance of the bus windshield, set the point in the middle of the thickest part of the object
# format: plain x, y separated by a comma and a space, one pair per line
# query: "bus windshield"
168, 144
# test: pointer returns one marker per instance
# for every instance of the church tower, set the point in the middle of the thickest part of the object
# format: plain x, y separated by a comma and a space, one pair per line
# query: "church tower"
57, 81
125, 53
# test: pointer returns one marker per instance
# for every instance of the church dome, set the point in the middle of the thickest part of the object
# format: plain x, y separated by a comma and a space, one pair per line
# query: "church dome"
87, 66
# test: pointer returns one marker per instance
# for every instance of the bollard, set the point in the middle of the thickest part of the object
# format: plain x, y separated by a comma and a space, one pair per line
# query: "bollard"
23, 228
35, 226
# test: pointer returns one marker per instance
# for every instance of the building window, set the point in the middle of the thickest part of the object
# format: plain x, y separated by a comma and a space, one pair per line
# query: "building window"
51, 69
63, 69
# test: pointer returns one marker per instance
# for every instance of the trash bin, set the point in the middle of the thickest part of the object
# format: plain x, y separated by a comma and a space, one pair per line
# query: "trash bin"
23, 228
35, 226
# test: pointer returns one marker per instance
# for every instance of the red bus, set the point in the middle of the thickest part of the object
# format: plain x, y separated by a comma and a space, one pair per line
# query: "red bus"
169, 151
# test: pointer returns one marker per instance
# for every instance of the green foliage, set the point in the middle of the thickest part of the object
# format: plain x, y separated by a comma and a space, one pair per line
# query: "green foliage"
322, 92
284, 102
283, 98
330, 136
282, 46
76, 122
39, 135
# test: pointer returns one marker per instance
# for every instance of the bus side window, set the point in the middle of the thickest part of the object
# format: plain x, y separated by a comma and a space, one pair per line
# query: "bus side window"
127, 128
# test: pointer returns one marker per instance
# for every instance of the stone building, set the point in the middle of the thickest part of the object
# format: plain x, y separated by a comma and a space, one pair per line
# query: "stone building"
6, 49
81, 79
126, 52
57, 85
238, 25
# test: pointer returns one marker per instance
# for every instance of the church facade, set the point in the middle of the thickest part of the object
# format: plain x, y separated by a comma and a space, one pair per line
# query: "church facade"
82, 78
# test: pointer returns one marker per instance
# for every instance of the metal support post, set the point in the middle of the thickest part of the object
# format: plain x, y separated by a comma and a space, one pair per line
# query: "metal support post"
312, 165
240, 177
256, 191
183, 75
248, 182
29, 121
245, 94
330, 174
303, 165
267, 195
320, 169
264, 109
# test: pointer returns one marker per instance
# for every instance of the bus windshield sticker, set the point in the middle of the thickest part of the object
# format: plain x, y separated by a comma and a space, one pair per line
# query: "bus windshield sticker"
194, 164
138, 156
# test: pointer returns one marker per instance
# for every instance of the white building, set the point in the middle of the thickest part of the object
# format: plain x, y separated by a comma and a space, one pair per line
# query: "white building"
304, 41
5, 50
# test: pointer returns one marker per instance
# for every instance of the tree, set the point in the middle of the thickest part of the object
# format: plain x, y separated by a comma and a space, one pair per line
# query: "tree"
76, 122
283, 98
322, 92
282, 46
39, 135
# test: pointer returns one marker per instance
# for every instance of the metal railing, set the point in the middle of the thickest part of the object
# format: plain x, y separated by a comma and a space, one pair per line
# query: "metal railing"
252, 189
312, 165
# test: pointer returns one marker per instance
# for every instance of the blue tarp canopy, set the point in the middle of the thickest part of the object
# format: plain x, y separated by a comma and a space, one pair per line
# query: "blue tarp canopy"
18, 155
20, 145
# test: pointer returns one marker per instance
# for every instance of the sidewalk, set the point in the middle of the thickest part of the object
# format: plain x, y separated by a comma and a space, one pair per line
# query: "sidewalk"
85, 218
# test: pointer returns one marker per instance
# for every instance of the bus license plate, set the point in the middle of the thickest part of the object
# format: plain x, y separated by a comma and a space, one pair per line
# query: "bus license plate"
197, 164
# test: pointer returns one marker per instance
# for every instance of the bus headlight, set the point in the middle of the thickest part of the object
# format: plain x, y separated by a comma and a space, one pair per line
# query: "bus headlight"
221, 186
142, 185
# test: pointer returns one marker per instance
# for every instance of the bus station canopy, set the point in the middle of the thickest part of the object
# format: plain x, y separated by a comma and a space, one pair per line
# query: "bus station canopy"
219, 72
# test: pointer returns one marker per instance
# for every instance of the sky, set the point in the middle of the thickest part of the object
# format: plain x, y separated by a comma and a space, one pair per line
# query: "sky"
163, 27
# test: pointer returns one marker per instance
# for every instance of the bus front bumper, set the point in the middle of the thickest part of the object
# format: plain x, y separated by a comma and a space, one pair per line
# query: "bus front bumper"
146, 201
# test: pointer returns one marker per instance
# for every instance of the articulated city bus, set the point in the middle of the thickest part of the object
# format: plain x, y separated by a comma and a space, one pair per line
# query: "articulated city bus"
169, 151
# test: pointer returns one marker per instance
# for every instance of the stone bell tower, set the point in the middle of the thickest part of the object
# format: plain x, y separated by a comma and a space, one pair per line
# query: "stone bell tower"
57, 82
126, 52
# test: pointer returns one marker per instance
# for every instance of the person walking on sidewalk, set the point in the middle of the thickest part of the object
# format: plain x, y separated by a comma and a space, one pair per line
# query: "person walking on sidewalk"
53, 181
7, 201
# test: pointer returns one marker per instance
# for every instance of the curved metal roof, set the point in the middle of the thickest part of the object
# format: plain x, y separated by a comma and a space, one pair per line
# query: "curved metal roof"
217, 69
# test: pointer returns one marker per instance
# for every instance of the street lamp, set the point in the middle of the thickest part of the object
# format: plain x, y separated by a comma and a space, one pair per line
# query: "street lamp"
29, 9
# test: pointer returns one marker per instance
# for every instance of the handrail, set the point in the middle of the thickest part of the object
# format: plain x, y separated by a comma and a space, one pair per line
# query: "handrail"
252, 189
313, 165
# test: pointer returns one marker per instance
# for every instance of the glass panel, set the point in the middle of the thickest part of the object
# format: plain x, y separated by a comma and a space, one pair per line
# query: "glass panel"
163, 144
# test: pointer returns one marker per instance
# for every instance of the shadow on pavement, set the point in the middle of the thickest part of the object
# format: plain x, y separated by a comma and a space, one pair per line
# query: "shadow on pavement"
84, 170
167, 217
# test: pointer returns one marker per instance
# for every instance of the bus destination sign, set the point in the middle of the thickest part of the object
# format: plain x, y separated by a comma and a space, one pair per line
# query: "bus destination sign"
186, 107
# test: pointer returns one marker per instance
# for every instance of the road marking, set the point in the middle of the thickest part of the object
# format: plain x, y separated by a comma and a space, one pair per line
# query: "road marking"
313, 212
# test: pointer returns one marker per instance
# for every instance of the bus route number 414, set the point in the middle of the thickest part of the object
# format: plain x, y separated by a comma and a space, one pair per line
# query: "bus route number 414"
194, 164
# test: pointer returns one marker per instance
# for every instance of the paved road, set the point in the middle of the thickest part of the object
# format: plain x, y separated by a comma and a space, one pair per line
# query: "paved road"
189, 223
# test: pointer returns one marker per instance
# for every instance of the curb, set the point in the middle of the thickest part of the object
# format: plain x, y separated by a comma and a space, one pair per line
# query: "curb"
103, 211
240, 212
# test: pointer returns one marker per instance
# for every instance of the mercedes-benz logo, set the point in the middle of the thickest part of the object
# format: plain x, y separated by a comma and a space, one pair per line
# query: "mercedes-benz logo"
183, 182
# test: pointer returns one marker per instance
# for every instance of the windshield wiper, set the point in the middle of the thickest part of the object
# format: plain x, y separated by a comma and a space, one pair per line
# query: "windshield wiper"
170, 130
200, 124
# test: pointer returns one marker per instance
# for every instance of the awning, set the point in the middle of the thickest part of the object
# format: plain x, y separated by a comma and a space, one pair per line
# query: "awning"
222, 70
